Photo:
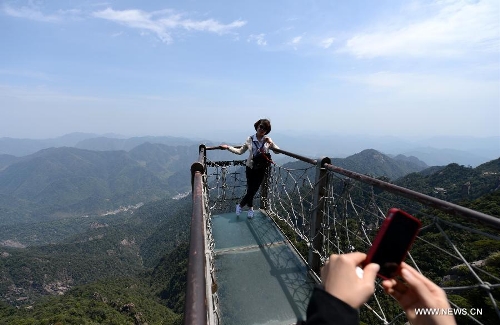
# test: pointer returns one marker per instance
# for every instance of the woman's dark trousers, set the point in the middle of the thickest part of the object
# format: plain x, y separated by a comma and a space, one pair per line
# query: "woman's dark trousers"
254, 179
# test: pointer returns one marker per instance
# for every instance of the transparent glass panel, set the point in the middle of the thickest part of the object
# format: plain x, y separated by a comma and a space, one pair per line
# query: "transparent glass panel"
260, 278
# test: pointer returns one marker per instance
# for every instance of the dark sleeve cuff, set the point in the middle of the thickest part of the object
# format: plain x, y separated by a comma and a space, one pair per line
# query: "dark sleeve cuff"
324, 308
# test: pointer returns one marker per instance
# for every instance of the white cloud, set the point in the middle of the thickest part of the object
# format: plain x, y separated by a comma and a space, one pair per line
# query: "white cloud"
163, 22
326, 43
457, 27
259, 39
70, 12
210, 25
296, 40
29, 13
135, 19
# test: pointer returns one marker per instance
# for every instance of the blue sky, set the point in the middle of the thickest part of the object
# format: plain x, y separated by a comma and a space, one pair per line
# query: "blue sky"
201, 68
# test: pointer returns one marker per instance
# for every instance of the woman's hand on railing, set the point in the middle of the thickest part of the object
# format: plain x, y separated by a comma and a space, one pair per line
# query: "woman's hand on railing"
223, 146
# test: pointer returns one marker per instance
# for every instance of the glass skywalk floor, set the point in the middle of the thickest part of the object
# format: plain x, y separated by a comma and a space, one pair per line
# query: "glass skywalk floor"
260, 279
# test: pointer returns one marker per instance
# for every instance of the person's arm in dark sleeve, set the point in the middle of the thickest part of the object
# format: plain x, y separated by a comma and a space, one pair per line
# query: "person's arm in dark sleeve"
345, 290
325, 309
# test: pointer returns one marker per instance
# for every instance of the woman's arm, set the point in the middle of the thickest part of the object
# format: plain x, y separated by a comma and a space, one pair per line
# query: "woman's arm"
239, 151
271, 144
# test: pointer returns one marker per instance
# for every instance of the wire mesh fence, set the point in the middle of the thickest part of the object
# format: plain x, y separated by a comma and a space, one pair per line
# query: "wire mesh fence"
459, 254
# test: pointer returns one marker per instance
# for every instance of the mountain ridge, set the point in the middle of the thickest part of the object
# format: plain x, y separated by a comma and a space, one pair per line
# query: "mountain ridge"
371, 161
455, 182
66, 180
440, 150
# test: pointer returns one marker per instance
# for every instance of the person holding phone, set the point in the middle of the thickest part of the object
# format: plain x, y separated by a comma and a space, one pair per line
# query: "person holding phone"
418, 292
344, 292
258, 144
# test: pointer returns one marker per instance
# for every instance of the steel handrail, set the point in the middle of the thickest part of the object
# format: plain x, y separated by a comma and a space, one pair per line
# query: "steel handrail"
449, 208
287, 153
195, 309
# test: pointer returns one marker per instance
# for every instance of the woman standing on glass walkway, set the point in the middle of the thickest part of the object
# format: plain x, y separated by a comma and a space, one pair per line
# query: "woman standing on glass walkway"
257, 162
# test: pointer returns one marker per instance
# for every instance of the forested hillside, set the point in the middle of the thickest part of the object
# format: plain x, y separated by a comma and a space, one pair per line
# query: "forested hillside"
6, 160
110, 272
69, 182
152, 297
454, 182
91, 236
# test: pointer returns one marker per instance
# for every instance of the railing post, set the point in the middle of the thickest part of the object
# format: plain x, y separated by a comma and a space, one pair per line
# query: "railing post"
200, 165
202, 156
317, 213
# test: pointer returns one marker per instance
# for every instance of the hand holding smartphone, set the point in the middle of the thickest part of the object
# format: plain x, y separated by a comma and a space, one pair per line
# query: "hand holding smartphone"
392, 242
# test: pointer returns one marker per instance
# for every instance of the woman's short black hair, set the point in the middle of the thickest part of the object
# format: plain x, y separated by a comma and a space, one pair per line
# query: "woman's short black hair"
265, 123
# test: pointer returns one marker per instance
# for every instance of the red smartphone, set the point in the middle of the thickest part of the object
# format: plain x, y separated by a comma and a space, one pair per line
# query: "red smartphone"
392, 242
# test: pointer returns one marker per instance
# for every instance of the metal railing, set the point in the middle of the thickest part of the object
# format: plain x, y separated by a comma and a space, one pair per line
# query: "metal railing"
324, 209
195, 309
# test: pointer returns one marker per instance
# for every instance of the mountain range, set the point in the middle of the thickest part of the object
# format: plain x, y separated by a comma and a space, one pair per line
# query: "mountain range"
66, 181
90, 141
434, 151
88, 174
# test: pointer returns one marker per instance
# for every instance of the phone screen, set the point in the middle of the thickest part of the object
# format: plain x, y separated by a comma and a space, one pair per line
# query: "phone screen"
393, 244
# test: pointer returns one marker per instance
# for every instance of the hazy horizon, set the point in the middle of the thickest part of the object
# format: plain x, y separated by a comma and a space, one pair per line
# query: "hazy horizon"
434, 151
198, 69
238, 134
